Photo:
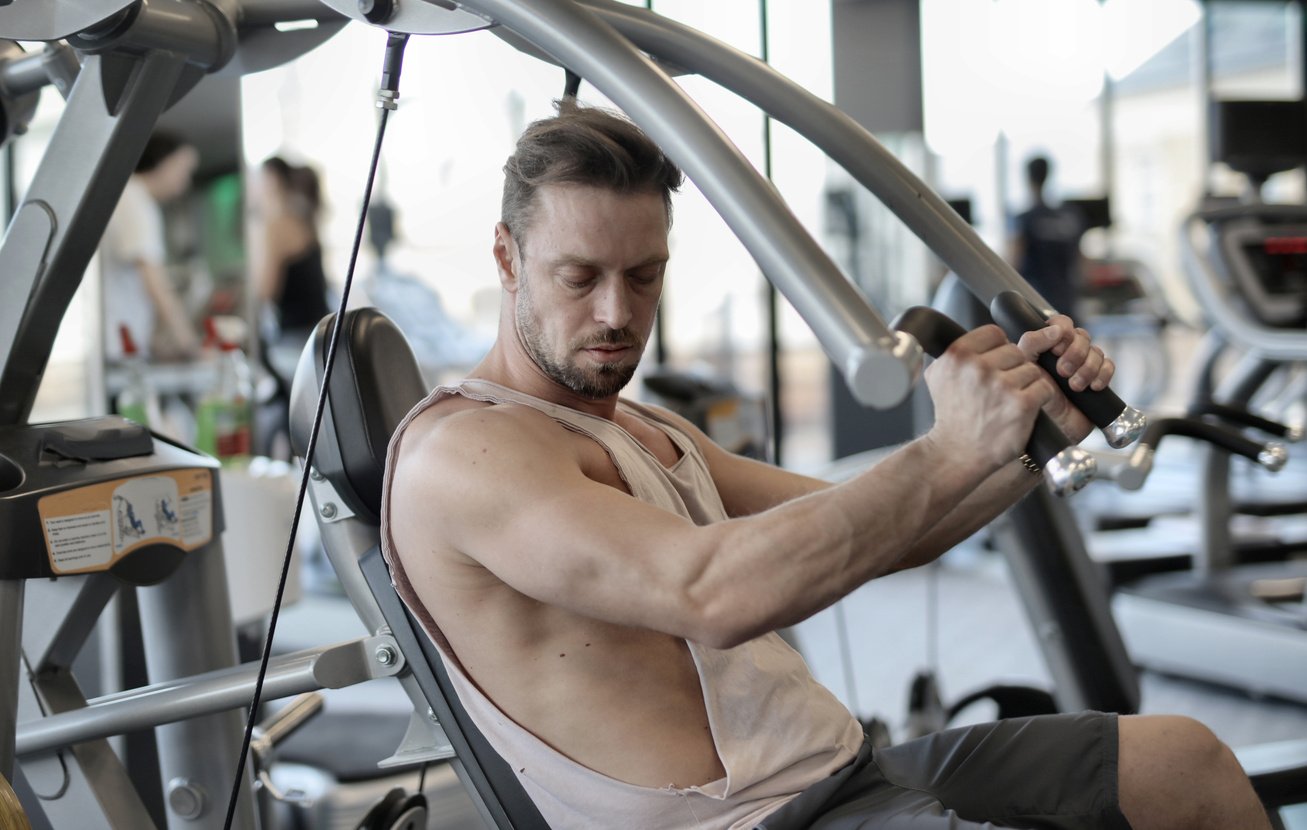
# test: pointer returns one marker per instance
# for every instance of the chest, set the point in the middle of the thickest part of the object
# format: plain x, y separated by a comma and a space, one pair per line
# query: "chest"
636, 435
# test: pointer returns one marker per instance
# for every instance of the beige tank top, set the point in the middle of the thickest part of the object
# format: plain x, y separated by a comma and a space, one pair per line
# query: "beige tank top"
776, 729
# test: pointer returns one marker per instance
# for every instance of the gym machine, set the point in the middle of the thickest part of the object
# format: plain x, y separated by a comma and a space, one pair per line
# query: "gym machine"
135, 59
1242, 625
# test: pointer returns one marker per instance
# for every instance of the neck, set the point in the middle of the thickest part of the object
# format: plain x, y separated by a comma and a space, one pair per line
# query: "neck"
509, 364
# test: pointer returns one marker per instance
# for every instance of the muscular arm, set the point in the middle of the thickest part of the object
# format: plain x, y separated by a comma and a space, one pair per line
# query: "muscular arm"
503, 489
749, 486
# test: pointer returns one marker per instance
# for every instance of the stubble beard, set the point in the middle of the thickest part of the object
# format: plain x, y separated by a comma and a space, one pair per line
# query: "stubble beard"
601, 381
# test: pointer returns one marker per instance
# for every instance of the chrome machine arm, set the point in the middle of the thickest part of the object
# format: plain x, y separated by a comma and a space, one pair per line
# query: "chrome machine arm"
955, 242
880, 366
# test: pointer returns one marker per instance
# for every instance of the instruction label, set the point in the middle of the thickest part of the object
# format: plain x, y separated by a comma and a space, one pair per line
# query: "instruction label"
92, 527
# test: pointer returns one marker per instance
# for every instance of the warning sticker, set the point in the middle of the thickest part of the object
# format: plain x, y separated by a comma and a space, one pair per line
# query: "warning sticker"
79, 541
92, 527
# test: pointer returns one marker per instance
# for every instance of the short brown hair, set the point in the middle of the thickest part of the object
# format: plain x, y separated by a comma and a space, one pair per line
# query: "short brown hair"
587, 146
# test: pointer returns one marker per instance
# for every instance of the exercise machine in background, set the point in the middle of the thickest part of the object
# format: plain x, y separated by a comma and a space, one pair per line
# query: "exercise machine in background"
1242, 625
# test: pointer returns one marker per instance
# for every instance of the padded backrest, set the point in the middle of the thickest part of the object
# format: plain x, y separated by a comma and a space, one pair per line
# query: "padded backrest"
374, 384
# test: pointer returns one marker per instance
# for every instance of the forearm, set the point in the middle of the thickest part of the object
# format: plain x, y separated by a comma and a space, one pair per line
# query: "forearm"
999, 492
781, 566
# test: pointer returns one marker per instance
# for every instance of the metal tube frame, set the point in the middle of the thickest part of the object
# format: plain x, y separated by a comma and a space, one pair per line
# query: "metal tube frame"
844, 140
880, 366
143, 56
324, 667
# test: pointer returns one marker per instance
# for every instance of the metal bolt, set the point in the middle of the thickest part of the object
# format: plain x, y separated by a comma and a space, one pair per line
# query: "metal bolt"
315, 475
377, 11
328, 510
431, 715
186, 798
385, 655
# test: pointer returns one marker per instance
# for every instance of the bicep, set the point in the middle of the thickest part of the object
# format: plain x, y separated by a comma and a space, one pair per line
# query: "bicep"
525, 511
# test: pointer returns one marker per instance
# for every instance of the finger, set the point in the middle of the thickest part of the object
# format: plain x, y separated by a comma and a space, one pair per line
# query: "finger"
1075, 354
1007, 356
1027, 375
1035, 343
1068, 329
982, 339
1105, 373
1088, 371
1038, 391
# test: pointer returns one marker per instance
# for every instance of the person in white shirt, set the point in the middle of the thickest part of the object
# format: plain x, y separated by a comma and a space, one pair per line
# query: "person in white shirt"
136, 289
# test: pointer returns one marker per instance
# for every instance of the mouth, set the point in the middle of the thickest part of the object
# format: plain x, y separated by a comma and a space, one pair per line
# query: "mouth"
608, 352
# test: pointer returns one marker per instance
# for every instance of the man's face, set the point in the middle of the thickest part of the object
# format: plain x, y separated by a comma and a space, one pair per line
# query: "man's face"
587, 283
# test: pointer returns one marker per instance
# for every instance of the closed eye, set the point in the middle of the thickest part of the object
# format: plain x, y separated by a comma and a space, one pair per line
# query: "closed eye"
576, 278
647, 275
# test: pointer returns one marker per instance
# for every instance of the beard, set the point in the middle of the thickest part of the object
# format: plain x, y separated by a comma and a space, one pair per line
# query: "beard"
595, 383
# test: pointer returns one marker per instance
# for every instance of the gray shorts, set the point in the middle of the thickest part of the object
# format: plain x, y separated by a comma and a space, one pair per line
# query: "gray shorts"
1054, 771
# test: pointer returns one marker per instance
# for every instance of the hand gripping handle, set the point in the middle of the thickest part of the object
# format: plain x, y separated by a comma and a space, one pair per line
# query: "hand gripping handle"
1066, 468
1121, 424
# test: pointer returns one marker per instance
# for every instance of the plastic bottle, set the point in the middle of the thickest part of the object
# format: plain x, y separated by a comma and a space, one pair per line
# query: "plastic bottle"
222, 420
137, 401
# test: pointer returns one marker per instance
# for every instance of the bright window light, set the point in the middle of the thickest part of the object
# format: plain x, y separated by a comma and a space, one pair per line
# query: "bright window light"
1137, 31
959, 78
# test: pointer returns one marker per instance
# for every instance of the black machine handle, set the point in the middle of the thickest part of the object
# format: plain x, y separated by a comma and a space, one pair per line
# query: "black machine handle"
1240, 416
1270, 454
1067, 468
1121, 424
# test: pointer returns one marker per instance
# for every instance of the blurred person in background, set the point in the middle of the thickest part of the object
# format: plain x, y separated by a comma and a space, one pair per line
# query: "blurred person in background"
288, 281
1046, 243
137, 291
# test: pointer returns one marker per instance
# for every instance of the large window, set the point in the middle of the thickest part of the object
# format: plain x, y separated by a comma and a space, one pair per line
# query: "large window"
1112, 93
464, 100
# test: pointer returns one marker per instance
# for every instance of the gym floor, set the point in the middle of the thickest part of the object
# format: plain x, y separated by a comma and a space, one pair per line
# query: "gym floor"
983, 638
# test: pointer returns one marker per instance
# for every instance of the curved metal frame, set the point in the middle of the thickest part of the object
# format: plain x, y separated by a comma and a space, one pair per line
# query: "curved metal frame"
140, 57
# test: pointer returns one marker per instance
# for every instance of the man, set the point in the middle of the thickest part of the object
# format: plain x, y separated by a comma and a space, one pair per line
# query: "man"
136, 288
605, 583
1046, 242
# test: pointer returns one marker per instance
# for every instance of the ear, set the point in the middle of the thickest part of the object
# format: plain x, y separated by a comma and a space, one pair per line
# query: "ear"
507, 260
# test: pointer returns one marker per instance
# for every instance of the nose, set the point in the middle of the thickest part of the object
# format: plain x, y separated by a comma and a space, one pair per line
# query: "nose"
613, 304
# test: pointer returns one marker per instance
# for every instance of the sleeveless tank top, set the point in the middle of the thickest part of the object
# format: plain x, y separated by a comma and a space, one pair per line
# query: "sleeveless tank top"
776, 730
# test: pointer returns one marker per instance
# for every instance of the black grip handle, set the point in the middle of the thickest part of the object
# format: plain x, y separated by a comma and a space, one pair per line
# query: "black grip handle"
1242, 417
936, 332
1016, 316
1268, 454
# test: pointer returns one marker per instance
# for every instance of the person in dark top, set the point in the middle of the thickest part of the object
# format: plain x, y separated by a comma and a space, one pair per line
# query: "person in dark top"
1046, 243
288, 272
287, 277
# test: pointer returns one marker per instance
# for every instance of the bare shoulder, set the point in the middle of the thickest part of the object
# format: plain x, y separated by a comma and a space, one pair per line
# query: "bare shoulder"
461, 452
451, 428
466, 471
